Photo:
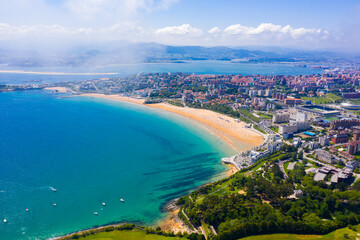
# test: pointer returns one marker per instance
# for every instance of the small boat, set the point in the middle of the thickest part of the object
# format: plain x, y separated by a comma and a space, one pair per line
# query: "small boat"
54, 204
5, 221
53, 189
103, 204
27, 209
95, 213
122, 200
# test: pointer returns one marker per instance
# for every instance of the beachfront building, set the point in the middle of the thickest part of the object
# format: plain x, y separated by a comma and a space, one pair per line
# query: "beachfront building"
275, 146
294, 127
281, 118
254, 155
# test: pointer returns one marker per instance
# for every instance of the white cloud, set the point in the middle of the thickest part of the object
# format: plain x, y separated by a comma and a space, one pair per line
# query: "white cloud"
276, 31
185, 29
115, 8
166, 4
186, 34
214, 30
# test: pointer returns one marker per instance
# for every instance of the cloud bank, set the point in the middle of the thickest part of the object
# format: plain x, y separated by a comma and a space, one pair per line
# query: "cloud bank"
236, 34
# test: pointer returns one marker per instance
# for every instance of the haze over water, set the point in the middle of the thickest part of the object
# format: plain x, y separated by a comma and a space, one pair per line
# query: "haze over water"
199, 67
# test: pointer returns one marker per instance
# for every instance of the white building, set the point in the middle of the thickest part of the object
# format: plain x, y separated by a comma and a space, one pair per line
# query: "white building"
296, 142
281, 118
325, 156
252, 93
268, 92
324, 141
313, 145
294, 127
301, 117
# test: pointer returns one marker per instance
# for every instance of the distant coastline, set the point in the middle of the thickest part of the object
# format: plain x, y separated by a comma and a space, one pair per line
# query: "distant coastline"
53, 73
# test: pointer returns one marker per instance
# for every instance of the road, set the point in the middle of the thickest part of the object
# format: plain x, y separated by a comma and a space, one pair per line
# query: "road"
281, 165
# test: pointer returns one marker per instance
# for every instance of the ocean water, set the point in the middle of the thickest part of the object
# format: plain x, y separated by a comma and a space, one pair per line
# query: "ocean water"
94, 151
199, 67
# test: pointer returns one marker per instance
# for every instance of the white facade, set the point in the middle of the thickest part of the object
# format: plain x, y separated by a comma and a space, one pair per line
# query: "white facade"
252, 93
324, 141
301, 117
281, 118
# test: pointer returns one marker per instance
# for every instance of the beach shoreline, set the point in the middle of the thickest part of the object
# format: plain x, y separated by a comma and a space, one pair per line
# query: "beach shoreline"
230, 131
223, 127
57, 89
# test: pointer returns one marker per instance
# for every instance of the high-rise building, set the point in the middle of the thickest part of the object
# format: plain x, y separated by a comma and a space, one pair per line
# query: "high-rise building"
252, 93
301, 117
324, 141
281, 118
356, 131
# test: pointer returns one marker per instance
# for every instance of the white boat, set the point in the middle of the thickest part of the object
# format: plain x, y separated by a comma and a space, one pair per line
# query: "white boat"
122, 200
5, 221
54, 204
103, 204
53, 189
27, 209
95, 213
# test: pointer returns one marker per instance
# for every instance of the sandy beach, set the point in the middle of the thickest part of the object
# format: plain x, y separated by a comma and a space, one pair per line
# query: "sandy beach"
57, 89
232, 132
173, 223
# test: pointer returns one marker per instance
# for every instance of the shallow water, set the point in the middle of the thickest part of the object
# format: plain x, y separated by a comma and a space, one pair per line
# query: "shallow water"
94, 151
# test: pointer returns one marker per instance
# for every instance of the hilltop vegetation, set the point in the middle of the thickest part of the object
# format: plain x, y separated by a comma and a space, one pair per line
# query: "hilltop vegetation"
259, 200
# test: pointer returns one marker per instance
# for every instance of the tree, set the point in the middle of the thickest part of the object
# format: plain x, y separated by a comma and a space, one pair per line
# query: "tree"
301, 155
324, 211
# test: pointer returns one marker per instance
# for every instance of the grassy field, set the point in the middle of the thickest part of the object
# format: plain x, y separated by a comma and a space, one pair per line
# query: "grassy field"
328, 98
127, 235
340, 234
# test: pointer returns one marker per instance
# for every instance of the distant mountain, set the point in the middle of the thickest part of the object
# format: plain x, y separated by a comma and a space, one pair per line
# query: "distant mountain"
123, 52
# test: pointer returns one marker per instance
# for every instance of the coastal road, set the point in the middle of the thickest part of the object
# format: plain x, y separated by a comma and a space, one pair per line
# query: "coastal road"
182, 210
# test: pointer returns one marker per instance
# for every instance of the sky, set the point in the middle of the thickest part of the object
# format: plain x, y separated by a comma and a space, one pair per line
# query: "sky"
304, 24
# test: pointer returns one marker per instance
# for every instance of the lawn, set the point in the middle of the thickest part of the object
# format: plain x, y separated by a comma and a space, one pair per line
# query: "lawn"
248, 114
127, 235
328, 98
264, 115
275, 129
338, 235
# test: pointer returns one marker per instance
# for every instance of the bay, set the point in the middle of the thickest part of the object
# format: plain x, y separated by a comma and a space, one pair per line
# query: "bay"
94, 151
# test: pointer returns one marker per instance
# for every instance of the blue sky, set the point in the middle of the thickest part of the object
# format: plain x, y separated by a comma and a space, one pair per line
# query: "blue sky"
315, 24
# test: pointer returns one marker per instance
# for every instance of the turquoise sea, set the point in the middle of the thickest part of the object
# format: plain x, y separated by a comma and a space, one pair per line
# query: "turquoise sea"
199, 67
94, 151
